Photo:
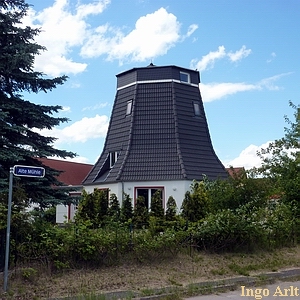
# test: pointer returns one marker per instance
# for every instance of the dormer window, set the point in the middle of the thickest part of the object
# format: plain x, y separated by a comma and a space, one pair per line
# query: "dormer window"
185, 77
129, 107
113, 156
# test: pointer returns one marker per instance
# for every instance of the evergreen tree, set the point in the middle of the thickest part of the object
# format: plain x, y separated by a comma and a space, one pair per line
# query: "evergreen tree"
126, 209
140, 213
156, 208
101, 204
171, 209
93, 207
20, 119
114, 208
86, 208
187, 206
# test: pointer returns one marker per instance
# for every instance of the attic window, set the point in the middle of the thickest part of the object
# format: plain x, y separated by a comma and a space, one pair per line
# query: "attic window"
113, 156
197, 111
129, 108
185, 77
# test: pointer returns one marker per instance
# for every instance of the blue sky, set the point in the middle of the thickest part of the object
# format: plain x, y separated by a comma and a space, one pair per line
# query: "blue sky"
247, 53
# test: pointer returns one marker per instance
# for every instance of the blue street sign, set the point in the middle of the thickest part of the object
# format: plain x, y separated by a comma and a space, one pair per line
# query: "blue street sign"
29, 171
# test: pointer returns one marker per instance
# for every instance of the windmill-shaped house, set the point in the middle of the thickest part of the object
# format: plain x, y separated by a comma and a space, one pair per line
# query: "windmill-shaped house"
158, 137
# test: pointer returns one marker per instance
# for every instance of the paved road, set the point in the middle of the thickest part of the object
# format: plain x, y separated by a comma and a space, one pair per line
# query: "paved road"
279, 291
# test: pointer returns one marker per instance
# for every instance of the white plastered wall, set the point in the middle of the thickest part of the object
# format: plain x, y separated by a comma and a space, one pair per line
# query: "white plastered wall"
177, 189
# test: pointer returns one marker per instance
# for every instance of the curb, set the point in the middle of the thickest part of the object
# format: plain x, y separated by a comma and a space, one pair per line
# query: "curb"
200, 288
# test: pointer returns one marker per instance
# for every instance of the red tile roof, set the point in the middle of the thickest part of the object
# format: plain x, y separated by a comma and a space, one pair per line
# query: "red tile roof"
236, 172
73, 172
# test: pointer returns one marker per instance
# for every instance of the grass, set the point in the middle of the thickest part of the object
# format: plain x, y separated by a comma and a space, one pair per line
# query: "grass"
181, 272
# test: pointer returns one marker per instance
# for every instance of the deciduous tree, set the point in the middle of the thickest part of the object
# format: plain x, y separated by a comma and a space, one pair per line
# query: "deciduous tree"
280, 161
196, 204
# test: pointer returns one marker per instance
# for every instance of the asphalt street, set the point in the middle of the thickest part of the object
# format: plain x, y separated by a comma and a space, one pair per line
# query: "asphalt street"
280, 291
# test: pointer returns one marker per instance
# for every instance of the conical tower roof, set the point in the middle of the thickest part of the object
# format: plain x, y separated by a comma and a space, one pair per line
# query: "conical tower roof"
158, 130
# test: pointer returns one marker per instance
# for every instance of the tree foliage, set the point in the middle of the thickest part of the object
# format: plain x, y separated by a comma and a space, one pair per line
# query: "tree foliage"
93, 207
171, 209
126, 209
140, 213
281, 162
20, 120
114, 207
196, 203
156, 207
237, 190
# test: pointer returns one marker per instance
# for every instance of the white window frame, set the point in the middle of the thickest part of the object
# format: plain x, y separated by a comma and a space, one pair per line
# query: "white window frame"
129, 107
113, 156
197, 110
187, 75
149, 188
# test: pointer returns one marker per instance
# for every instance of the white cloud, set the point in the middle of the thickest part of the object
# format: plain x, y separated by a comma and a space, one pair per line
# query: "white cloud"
153, 35
268, 83
95, 8
65, 29
61, 31
80, 131
248, 157
192, 28
273, 55
238, 55
74, 85
207, 61
215, 91
78, 159
96, 106
66, 109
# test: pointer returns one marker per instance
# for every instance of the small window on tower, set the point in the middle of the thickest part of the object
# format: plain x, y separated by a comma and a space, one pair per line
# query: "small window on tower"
197, 111
184, 77
129, 107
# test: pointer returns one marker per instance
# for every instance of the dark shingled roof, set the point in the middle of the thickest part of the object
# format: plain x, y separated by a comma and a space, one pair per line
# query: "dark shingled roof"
162, 138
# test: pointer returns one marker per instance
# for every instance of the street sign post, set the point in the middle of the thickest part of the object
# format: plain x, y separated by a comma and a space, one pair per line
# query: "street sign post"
18, 170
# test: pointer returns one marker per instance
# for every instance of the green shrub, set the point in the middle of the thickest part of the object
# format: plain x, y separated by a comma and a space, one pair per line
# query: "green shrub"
196, 204
29, 274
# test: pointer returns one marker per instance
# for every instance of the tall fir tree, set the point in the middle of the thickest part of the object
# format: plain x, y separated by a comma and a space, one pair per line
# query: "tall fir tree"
93, 207
140, 213
20, 120
171, 210
114, 208
156, 207
126, 209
